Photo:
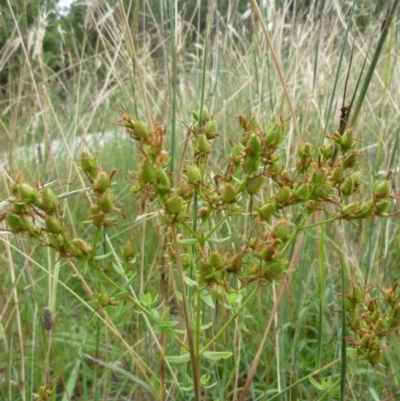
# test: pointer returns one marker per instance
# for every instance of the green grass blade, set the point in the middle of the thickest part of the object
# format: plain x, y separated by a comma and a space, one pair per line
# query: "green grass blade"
374, 61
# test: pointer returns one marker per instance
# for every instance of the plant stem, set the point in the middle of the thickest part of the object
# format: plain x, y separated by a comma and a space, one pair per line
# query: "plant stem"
192, 351
231, 319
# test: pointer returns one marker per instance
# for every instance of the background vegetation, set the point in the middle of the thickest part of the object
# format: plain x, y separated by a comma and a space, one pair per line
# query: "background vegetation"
63, 78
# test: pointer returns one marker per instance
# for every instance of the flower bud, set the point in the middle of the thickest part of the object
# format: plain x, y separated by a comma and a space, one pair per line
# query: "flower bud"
228, 193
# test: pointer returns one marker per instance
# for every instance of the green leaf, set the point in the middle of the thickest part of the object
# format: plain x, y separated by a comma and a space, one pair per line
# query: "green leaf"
315, 384
130, 281
102, 257
374, 394
188, 241
206, 326
313, 236
218, 240
121, 295
178, 360
117, 269
207, 298
190, 282
217, 355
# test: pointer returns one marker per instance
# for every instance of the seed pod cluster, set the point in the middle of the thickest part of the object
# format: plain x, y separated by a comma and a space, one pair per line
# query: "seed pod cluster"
370, 320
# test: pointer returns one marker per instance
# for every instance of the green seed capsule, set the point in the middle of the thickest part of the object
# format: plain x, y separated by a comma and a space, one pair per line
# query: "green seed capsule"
88, 162
202, 144
281, 230
217, 291
141, 130
382, 206
382, 189
175, 204
193, 175
163, 183
254, 184
347, 186
216, 261
106, 205
20, 207
267, 210
15, 223
254, 145
303, 191
49, 200
148, 173
337, 175
274, 135
237, 153
319, 176
351, 208
283, 195
268, 252
53, 224
375, 355
347, 140
28, 193
102, 182
228, 193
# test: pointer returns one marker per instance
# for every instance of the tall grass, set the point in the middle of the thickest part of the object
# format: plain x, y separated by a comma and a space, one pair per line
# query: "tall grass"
160, 71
